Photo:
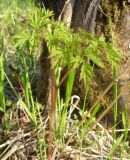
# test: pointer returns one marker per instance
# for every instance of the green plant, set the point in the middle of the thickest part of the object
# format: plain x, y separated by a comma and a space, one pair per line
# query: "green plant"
114, 147
67, 49
2, 92
125, 123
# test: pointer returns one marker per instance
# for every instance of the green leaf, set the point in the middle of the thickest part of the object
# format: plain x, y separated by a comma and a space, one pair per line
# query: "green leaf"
114, 147
101, 39
86, 74
95, 58
23, 106
92, 116
113, 54
21, 39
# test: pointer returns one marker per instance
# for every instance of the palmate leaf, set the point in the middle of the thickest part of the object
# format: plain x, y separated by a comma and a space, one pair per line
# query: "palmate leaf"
101, 39
38, 18
55, 34
21, 39
27, 37
113, 54
77, 60
57, 57
95, 58
86, 74
59, 35
90, 48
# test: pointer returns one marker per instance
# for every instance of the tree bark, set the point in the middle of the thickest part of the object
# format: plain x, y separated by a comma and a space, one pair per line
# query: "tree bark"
84, 14
83, 11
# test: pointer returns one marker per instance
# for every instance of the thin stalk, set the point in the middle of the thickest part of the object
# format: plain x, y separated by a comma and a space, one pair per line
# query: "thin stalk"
65, 76
115, 91
115, 87
52, 107
2, 92
2, 89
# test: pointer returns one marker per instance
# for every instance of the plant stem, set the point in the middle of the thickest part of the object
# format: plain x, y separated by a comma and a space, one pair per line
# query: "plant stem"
65, 76
115, 91
52, 107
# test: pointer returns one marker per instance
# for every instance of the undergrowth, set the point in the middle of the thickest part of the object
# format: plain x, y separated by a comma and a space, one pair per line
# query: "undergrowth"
23, 27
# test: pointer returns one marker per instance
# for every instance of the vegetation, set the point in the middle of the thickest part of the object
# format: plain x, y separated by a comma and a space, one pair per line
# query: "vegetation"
24, 29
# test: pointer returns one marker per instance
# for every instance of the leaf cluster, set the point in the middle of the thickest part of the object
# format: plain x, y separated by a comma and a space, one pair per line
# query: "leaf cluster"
67, 48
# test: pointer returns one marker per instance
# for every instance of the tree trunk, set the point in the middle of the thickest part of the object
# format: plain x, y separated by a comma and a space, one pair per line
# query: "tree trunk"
83, 11
84, 14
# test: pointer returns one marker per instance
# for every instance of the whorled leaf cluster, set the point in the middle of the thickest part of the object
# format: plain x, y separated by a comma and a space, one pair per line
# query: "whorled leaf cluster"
66, 47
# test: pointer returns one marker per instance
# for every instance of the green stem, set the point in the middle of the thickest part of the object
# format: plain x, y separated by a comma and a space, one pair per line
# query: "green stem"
115, 95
